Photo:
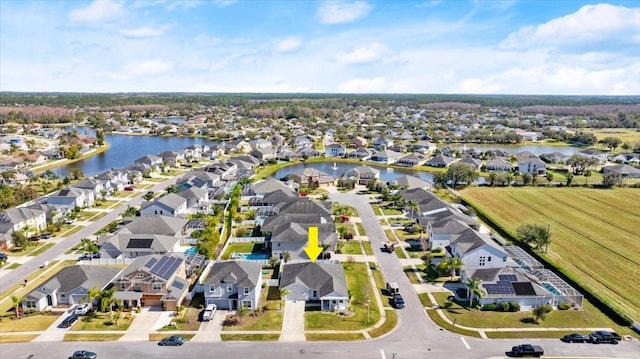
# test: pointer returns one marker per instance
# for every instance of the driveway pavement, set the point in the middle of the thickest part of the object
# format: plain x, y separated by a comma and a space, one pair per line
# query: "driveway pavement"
293, 322
210, 331
145, 322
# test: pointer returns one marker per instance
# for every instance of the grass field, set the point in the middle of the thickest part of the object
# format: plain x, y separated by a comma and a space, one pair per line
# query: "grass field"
594, 234
625, 134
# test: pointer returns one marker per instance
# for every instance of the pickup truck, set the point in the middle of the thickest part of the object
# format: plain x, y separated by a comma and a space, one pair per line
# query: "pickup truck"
527, 350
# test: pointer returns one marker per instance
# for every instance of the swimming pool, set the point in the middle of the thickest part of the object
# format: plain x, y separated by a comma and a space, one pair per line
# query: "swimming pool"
250, 256
192, 250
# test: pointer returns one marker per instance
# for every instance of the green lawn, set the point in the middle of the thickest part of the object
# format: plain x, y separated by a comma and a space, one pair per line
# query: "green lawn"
78, 337
359, 285
242, 248
269, 317
32, 322
400, 253
388, 325
41, 249
249, 337
588, 317
32, 246
360, 228
334, 336
351, 247
13, 265
531, 334
100, 321
368, 250
70, 231
18, 338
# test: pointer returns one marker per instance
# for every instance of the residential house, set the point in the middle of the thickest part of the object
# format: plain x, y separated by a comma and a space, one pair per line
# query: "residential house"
532, 166
471, 162
477, 250
624, 171
172, 158
264, 154
335, 150
386, 156
302, 141
169, 205
163, 225
310, 176
357, 142
554, 157
382, 143
498, 165
197, 199
440, 161
200, 179
233, 284
68, 198
315, 282
599, 155
364, 174
154, 162
410, 182
293, 237
362, 153
411, 160
69, 286
29, 220
126, 245
153, 281
97, 187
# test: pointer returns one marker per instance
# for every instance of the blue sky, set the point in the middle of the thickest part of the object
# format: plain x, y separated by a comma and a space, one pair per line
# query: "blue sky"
361, 46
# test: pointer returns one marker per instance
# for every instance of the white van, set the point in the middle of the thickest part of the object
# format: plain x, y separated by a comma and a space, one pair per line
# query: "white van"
392, 288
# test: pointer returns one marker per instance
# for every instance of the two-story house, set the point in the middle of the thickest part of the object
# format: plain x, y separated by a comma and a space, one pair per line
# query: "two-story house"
315, 282
169, 205
152, 281
233, 284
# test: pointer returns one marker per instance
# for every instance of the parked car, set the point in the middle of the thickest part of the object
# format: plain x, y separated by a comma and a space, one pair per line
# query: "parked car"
68, 321
82, 309
3, 257
84, 257
83, 354
44, 235
575, 338
397, 301
527, 350
397, 224
96, 255
392, 288
67, 221
129, 188
172, 340
603, 337
209, 312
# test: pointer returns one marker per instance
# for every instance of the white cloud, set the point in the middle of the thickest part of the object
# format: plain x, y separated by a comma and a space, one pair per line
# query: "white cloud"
289, 44
224, 3
364, 85
144, 68
97, 11
336, 12
143, 32
217, 65
590, 24
362, 55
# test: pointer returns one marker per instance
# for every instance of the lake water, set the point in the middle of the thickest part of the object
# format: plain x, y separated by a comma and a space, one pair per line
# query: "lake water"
386, 174
125, 149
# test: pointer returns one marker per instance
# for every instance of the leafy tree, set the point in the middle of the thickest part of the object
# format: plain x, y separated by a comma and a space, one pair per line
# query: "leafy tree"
20, 239
580, 163
535, 234
549, 177
540, 313
611, 142
284, 292
100, 136
611, 179
450, 265
286, 257
526, 179
148, 196
459, 173
88, 245
569, 178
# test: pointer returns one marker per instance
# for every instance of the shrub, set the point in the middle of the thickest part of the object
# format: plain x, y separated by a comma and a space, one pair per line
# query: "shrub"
504, 306
547, 308
514, 306
564, 306
231, 321
490, 307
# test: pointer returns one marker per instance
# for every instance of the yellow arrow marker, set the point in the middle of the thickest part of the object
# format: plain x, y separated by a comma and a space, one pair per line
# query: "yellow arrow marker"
312, 249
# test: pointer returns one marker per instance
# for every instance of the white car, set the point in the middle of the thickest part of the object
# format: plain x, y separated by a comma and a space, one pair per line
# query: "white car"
209, 312
82, 309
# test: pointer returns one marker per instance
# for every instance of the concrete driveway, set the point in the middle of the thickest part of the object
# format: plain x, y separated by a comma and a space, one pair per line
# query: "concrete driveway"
210, 331
145, 322
293, 322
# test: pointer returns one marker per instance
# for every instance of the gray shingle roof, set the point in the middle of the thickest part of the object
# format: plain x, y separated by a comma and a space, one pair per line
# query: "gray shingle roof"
325, 277
169, 226
243, 274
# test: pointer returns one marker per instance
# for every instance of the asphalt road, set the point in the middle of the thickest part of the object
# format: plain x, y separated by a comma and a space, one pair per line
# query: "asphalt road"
414, 337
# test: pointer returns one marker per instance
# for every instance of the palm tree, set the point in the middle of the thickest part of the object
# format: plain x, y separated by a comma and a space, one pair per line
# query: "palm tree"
283, 293
473, 289
286, 257
93, 294
413, 205
107, 300
88, 245
451, 265
539, 313
17, 303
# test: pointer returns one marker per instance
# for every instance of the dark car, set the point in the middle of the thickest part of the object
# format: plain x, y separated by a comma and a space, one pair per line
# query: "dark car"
3, 257
45, 235
575, 338
172, 340
68, 321
84, 257
96, 255
83, 354
398, 301
603, 336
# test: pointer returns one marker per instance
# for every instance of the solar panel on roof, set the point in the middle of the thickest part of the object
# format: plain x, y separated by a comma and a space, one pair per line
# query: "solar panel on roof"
140, 243
508, 277
151, 262
523, 288
178, 284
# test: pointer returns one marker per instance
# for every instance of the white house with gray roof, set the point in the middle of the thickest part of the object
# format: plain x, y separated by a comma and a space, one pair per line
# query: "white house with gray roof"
233, 284
169, 205
316, 282
69, 286
125, 245
21, 218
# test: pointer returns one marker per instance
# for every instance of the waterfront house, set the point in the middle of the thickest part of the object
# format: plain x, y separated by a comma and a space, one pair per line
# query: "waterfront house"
169, 205
363, 174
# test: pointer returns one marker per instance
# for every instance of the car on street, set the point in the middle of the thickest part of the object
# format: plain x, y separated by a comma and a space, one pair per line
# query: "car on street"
129, 188
82, 309
67, 221
68, 321
44, 235
397, 224
174, 340
209, 312
603, 337
575, 338
397, 301
527, 350
84, 257
3, 257
83, 354
96, 255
